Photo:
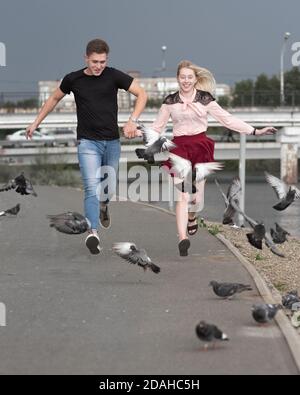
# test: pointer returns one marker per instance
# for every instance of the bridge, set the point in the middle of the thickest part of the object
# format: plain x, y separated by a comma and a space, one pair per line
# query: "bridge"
257, 117
68, 155
285, 147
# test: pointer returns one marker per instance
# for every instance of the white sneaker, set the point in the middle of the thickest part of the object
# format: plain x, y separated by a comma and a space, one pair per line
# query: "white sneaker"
93, 242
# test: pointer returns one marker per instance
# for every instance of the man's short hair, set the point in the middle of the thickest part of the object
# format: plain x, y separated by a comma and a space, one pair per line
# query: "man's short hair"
97, 45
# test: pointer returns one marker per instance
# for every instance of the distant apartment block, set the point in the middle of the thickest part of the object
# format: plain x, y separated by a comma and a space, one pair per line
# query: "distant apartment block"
46, 88
156, 87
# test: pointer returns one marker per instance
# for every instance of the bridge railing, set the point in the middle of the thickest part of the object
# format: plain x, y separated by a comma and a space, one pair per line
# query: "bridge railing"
30, 101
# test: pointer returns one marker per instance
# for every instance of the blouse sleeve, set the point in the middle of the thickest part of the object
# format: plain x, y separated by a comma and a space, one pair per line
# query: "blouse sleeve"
228, 120
162, 119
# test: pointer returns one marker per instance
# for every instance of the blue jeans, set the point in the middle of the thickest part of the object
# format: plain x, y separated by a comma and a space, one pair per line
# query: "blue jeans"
99, 164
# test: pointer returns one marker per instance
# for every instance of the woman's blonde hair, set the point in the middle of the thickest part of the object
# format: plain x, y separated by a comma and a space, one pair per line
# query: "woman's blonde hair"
205, 79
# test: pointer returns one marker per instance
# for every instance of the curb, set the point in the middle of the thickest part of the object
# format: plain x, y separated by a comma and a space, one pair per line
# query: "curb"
290, 334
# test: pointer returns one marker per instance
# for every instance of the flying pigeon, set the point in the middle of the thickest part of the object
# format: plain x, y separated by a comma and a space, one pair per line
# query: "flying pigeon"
290, 298
279, 234
132, 254
226, 290
209, 333
287, 194
71, 223
154, 142
21, 185
183, 170
259, 233
233, 193
12, 211
264, 313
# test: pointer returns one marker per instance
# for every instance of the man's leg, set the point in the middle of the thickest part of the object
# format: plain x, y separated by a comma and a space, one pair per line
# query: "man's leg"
90, 156
109, 179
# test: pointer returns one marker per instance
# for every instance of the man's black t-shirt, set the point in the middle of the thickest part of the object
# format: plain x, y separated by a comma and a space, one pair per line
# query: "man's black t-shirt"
96, 101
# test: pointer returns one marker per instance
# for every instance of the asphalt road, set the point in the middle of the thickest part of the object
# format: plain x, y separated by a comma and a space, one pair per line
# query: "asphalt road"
68, 312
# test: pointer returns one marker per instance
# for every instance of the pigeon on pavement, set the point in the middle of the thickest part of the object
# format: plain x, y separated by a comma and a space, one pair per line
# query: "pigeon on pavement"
233, 193
264, 313
71, 223
209, 333
279, 234
226, 290
134, 255
286, 193
154, 142
12, 211
21, 185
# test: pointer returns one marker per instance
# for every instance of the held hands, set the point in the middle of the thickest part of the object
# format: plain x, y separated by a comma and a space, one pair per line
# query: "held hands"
130, 130
266, 130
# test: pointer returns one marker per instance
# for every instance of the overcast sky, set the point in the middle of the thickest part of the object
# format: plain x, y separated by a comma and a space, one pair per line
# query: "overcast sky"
235, 39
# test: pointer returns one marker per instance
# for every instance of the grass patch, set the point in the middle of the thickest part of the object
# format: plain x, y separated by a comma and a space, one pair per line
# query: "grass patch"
214, 229
259, 257
201, 223
51, 174
281, 287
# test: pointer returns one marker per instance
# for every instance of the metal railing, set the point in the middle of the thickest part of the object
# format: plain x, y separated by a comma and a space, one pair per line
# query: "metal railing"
31, 101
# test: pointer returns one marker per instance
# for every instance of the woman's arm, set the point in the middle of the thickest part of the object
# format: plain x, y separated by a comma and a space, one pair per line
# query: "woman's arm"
162, 119
230, 122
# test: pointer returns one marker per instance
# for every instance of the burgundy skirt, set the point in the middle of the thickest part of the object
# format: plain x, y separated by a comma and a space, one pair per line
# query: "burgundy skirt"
197, 149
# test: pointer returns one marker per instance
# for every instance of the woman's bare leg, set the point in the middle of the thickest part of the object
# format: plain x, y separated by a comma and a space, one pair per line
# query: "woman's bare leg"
182, 215
197, 201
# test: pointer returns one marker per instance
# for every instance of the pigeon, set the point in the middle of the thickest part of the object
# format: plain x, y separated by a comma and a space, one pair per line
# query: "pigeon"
21, 185
226, 290
259, 233
279, 235
12, 211
287, 194
154, 142
290, 298
209, 333
296, 306
183, 170
295, 319
132, 254
264, 313
233, 192
71, 223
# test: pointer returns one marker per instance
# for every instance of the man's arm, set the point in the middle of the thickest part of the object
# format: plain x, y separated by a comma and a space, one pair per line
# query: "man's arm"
130, 130
48, 106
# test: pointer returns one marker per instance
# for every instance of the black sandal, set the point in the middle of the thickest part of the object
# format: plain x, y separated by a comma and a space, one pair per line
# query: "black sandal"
192, 229
183, 246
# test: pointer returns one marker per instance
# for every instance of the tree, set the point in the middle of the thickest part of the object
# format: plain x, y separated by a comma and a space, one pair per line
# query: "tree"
266, 91
292, 86
242, 94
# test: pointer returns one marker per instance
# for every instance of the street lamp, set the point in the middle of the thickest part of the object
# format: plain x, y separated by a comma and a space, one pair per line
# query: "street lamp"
163, 65
282, 99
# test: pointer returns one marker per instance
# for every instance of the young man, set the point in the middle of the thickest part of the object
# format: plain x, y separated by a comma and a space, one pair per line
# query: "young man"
95, 89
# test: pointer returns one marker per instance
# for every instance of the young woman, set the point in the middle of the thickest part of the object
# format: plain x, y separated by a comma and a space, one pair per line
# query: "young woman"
189, 109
